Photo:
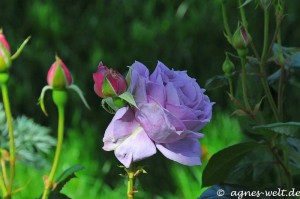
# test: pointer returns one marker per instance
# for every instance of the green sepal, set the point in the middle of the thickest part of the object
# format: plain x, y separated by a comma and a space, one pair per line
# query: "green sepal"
20, 49
128, 97
59, 78
111, 105
128, 76
5, 59
107, 89
79, 92
41, 99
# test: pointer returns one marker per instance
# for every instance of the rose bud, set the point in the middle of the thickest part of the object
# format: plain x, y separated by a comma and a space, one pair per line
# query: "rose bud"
240, 41
5, 60
228, 66
59, 77
108, 82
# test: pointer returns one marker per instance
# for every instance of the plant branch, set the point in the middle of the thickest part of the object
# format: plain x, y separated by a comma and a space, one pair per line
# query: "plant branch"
12, 154
57, 97
130, 182
263, 65
281, 85
244, 84
225, 21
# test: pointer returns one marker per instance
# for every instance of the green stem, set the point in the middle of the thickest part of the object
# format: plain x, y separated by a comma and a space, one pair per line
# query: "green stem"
3, 177
263, 65
230, 86
59, 97
279, 14
130, 182
3, 169
245, 24
225, 21
244, 84
243, 15
12, 154
3, 187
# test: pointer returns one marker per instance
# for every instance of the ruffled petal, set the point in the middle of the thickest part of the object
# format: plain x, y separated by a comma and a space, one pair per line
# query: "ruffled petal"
171, 94
186, 151
158, 123
156, 93
139, 78
112, 137
136, 147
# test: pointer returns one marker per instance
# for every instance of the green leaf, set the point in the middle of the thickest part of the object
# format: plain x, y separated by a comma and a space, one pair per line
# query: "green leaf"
66, 176
128, 76
221, 163
257, 106
245, 3
216, 82
293, 144
128, 97
57, 195
291, 129
240, 112
79, 92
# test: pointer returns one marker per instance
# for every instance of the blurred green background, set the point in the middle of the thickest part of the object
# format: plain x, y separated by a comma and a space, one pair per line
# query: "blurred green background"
185, 35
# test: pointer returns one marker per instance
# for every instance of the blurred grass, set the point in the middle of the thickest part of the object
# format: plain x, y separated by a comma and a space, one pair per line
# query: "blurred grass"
93, 182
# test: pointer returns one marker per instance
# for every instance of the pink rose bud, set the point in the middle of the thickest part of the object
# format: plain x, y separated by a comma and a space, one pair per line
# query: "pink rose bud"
59, 76
108, 82
5, 60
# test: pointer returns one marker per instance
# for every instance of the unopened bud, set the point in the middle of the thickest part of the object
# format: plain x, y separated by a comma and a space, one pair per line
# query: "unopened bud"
228, 66
59, 76
108, 82
241, 38
5, 59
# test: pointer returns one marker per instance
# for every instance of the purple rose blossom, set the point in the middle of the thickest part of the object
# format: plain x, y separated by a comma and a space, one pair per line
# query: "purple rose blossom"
171, 109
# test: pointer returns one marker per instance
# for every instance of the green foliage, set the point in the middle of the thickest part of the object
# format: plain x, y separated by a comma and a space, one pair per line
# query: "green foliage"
219, 166
291, 129
32, 140
64, 178
270, 159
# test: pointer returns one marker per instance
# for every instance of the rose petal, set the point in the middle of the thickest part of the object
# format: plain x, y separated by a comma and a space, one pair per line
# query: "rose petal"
181, 112
156, 76
136, 147
139, 78
186, 151
159, 124
155, 122
172, 95
156, 93
114, 135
